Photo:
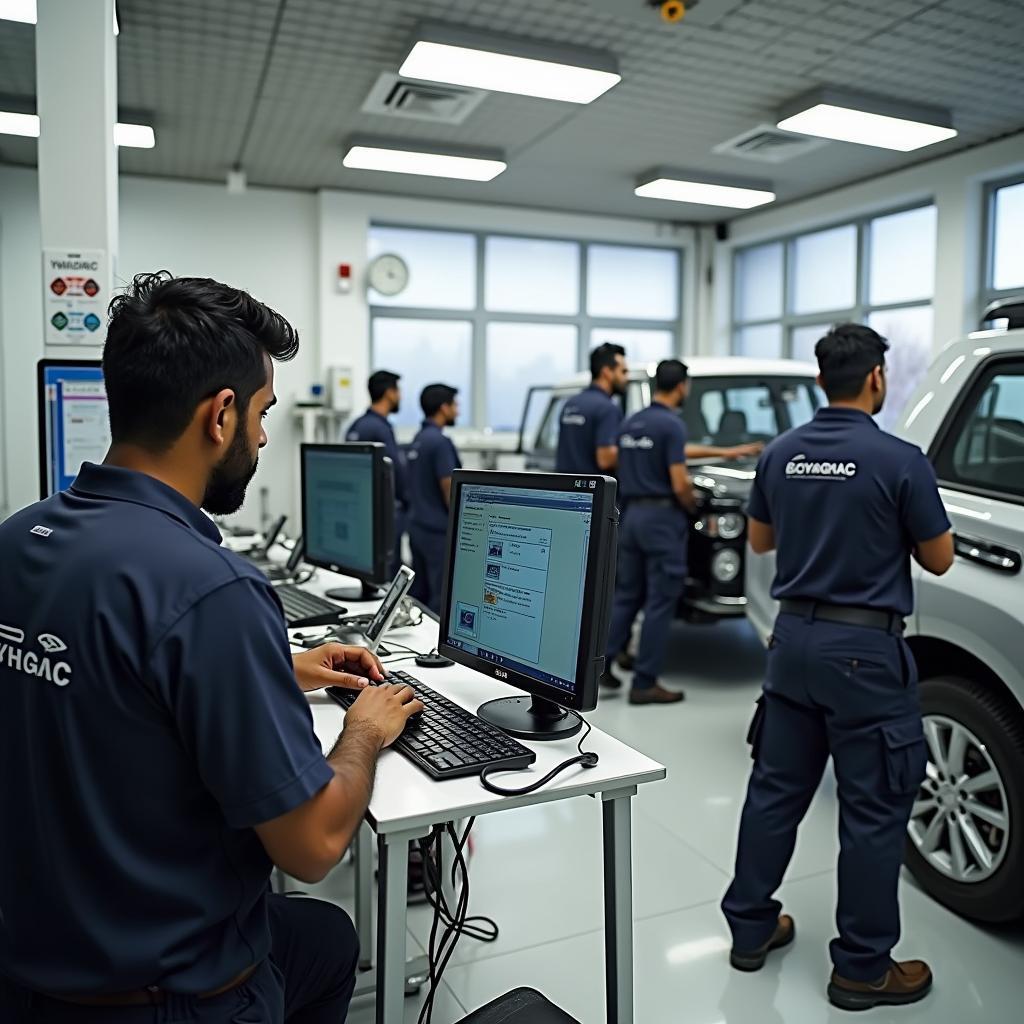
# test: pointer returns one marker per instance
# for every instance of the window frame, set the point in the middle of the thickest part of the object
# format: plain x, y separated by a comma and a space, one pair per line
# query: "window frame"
989, 293
479, 316
858, 312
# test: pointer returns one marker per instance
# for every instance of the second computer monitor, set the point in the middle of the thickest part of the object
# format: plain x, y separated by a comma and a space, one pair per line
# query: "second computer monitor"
529, 584
348, 509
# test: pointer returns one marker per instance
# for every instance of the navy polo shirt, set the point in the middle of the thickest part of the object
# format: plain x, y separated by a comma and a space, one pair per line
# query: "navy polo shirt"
650, 441
589, 421
432, 457
149, 718
371, 426
848, 503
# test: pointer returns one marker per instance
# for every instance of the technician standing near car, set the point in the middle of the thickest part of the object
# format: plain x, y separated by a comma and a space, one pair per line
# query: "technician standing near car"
656, 494
588, 429
845, 505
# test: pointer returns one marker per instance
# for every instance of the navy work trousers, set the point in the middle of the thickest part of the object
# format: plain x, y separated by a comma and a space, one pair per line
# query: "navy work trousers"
651, 575
308, 979
401, 525
428, 564
848, 691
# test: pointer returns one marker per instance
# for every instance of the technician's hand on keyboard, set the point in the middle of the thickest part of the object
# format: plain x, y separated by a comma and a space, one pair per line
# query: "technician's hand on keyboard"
385, 708
336, 664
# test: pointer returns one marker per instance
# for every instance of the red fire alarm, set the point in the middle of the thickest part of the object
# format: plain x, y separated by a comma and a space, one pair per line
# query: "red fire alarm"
344, 278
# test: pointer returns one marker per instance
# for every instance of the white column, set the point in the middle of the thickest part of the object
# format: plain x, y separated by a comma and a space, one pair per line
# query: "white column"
76, 99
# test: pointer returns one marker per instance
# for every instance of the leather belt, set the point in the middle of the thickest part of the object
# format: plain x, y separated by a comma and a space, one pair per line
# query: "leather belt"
151, 996
847, 615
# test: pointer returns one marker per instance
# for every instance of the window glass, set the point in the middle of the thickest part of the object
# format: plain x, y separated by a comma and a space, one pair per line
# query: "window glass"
730, 410
803, 340
426, 352
759, 282
442, 267
986, 449
643, 348
824, 271
762, 341
632, 283
902, 248
531, 275
520, 356
1008, 240
547, 438
909, 332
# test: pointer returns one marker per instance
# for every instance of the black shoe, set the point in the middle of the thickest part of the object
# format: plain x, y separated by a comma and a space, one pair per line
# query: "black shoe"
785, 933
626, 661
610, 681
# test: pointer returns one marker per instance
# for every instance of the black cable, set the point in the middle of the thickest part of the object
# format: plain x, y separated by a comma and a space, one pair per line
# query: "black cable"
587, 759
402, 647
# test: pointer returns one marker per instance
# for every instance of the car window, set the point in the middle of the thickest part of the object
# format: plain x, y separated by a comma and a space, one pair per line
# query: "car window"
547, 436
984, 448
728, 411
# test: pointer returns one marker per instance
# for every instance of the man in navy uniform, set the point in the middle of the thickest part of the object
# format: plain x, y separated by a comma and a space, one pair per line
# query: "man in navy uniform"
156, 748
432, 460
656, 496
588, 431
845, 506
373, 425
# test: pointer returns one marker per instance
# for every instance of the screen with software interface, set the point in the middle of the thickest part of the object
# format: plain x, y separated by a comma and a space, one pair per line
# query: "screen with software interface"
338, 509
520, 563
76, 425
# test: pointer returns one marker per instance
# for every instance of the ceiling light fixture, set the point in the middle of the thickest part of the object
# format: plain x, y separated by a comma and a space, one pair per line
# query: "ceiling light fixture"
498, 63
416, 158
134, 136
696, 187
867, 120
25, 12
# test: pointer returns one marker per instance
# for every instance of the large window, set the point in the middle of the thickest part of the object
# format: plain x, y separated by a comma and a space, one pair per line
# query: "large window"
496, 314
1004, 264
877, 270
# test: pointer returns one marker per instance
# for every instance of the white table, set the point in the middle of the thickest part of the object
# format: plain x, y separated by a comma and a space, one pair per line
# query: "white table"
407, 803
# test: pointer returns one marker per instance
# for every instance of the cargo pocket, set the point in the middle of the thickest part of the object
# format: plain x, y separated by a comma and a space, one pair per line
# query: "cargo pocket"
906, 755
756, 729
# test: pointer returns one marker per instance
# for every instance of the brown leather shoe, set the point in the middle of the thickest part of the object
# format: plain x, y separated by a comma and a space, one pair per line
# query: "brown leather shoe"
903, 983
785, 933
656, 695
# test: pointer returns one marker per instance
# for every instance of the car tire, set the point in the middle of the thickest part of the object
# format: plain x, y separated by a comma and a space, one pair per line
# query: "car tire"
999, 726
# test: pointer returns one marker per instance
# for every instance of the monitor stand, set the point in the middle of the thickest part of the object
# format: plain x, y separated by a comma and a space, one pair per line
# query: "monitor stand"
530, 718
365, 592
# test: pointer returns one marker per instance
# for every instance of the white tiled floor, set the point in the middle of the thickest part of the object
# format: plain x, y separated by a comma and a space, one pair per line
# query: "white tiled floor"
537, 872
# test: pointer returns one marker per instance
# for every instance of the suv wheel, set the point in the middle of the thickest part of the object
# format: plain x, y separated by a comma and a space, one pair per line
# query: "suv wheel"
966, 832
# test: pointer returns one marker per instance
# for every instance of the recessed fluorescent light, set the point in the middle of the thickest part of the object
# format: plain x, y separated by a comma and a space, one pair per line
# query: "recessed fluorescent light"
410, 160
685, 187
19, 124
444, 53
137, 136
867, 120
25, 12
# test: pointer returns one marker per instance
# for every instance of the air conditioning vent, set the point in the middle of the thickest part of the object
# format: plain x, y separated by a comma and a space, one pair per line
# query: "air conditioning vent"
768, 144
392, 96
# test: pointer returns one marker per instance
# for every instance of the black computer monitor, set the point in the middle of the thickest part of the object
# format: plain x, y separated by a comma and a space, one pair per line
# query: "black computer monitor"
528, 591
348, 513
74, 425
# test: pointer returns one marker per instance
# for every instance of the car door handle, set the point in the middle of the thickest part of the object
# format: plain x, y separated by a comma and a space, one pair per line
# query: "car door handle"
993, 556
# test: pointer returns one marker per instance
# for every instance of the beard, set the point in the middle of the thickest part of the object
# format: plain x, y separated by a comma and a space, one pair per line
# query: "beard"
449, 421
880, 401
225, 490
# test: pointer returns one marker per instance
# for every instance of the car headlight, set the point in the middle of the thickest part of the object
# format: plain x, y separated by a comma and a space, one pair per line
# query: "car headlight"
725, 565
731, 525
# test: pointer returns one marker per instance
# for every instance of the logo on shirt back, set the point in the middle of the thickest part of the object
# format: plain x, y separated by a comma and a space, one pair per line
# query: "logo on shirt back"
29, 663
643, 443
801, 468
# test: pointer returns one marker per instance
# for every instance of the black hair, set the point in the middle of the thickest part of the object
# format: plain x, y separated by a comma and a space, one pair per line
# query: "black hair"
669, 374
434, 396
380, 383
604, 355
846, 355
173, 342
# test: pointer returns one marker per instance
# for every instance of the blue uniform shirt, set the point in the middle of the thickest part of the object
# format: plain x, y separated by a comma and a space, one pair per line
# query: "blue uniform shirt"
848, 503
649, 442
149, 718
589, 421
371, 426
432, 457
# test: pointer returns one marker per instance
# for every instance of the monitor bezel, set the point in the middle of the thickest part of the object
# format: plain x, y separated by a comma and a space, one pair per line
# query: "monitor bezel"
604, 522
41, 367
381, 556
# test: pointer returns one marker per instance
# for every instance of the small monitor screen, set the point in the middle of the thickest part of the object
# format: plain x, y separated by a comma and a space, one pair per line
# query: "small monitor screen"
338, 509
519, 566
74, 422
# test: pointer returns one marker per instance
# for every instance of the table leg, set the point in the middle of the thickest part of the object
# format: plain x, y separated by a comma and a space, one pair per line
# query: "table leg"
364, 895
618, 905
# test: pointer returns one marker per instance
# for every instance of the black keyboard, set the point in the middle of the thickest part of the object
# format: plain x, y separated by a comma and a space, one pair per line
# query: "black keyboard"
448, 741
300, 606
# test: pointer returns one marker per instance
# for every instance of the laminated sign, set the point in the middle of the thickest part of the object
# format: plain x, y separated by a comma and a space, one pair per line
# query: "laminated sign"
75, 286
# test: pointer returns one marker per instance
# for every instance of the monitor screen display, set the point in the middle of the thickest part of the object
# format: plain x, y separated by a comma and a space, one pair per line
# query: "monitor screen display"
519, 563
338, 508
74, 425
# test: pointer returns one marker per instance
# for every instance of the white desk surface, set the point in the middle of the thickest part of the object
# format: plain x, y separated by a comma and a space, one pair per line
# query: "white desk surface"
406, 798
